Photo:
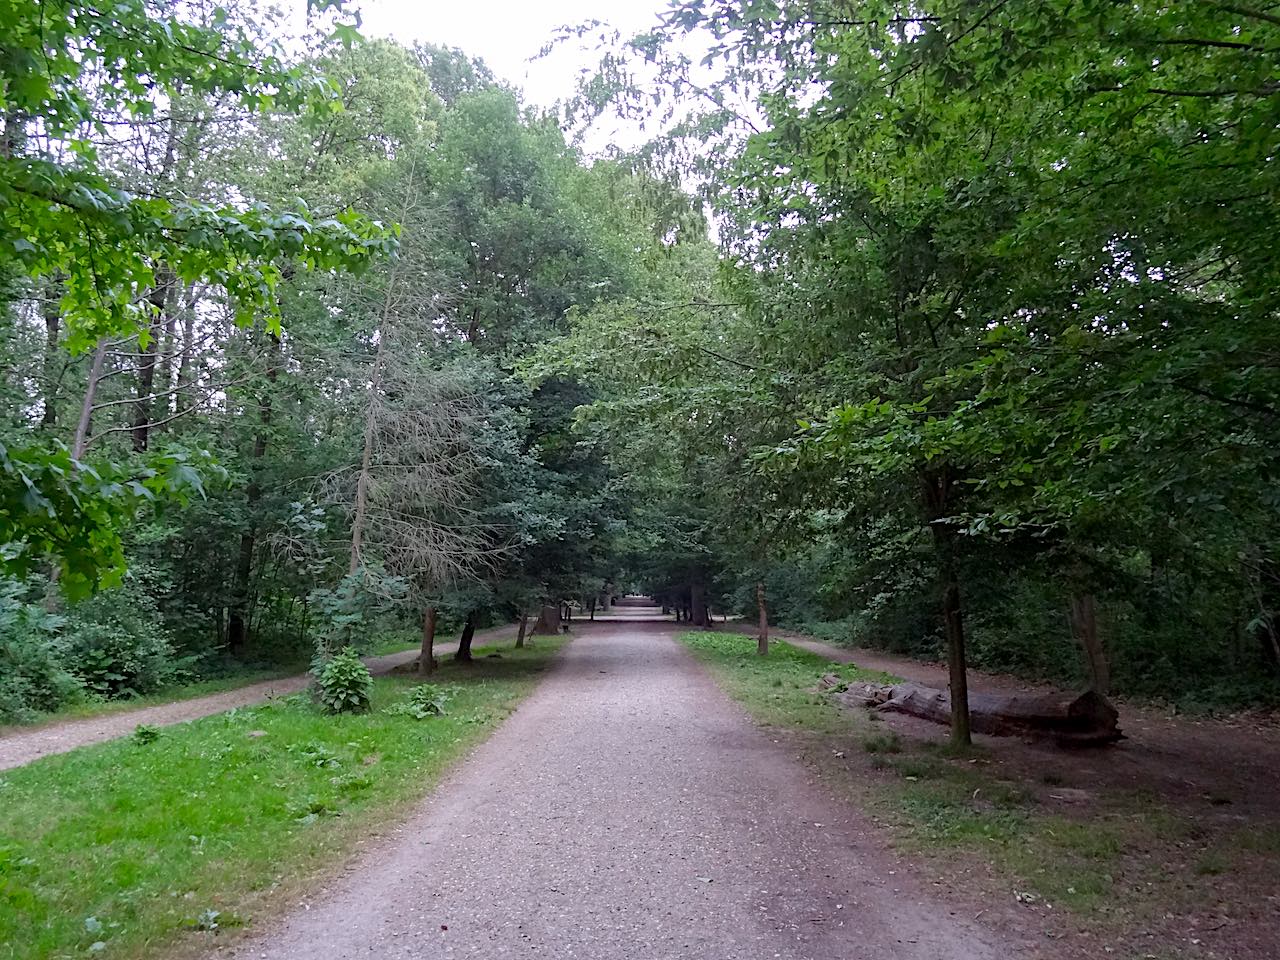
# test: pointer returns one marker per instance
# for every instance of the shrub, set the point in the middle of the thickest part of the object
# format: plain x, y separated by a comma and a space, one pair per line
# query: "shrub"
32, 678
425, 700
344, 683
116, 643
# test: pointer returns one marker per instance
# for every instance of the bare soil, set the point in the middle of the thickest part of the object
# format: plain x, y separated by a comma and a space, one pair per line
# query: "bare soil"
1208, 888
19, 746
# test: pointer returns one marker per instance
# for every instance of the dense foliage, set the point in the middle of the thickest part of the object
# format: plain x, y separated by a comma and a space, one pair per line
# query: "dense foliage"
321, 336
1009, 267
262, 316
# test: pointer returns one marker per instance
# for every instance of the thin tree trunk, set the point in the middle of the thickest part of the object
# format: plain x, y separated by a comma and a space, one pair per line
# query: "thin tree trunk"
168, 351
427, 659
238, 617
366, 456
181, 401
1084, 624
937, 492
79, 443
957, 661
52, 327
762, 638
524, 627
591, 608
464, 642
81, 439
147, 367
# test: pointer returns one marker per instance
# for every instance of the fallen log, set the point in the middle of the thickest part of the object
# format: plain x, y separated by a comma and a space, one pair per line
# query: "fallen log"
1087, 720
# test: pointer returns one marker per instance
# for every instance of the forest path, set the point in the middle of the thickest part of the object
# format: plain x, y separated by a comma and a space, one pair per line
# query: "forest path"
627, 809
19, 746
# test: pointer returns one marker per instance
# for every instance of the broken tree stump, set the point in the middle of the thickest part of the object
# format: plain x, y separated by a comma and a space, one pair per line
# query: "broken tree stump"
1088, 720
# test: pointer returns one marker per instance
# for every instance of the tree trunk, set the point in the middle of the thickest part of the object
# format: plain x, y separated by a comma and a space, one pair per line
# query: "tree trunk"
524, 627
464, 642
1088, 719
699, 614
142, 407
238, 617
181, 401
366, 456
1084, 624
591, 608
427, 658
957, 659
52, 313
548, 621
145, 386
79, 443
81, 439
762, 638
937, 493
168, 352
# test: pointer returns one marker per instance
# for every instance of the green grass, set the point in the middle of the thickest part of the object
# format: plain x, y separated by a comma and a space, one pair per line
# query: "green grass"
393, 642
780, 689
174, 694
135, 845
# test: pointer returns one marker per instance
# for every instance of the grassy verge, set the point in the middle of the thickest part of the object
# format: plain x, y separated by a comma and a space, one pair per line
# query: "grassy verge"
234, 680
126, 847
1122, 858
174, 694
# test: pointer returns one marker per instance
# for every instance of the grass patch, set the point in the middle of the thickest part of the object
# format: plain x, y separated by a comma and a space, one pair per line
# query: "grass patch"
237, 676
94, 707
142, 841
778, 689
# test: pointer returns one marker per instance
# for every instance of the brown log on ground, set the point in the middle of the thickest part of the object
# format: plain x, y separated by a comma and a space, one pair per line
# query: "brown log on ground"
524, 628
1086, 720
427, 658
464, 642
548, 620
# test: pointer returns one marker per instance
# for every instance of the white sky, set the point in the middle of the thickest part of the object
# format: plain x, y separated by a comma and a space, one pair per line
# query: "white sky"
507, 33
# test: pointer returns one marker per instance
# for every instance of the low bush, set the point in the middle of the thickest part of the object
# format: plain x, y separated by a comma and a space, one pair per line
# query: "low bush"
425, 700
344, 683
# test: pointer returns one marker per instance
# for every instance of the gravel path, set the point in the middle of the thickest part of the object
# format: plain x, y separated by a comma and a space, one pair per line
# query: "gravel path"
627, 811
22, 746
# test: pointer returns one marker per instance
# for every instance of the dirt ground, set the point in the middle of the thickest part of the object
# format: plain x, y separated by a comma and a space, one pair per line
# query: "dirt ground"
19, 746
1185, 760
1215, 781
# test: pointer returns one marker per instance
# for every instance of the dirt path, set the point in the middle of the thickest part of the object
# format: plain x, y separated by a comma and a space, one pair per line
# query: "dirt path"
22, 746
628, 811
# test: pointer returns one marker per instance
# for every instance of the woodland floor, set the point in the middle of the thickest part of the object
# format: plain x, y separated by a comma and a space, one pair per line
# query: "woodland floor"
1171, 838
20, 745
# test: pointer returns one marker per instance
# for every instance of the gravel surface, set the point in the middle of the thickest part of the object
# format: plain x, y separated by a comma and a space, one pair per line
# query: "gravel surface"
20, 746
627, 811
